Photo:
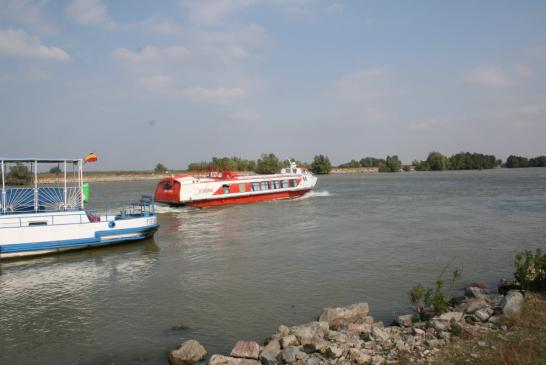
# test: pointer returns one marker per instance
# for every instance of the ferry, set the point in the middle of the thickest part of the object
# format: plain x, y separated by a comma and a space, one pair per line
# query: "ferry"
43, 218
229, 188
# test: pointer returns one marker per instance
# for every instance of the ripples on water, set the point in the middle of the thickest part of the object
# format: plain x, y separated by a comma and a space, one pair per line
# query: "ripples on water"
227, 273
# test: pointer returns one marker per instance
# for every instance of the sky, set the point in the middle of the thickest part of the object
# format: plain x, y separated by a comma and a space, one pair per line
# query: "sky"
180, 81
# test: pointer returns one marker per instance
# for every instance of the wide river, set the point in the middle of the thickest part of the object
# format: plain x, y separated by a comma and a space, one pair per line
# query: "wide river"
222, 274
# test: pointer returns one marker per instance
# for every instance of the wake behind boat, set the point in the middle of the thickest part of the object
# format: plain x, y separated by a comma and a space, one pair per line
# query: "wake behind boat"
45, 218
228, 188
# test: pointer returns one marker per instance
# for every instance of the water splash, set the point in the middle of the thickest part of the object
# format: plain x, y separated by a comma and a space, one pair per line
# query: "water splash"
165, 209
315, 194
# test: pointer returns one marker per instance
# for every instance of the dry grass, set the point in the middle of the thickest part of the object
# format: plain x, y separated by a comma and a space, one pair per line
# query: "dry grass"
524, 343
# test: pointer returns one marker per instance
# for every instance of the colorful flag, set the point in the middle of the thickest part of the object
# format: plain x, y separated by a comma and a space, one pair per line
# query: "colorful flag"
90, 158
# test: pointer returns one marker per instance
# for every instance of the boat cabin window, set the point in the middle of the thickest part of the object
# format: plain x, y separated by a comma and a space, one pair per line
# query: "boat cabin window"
276, 184
242, 188
225, 188
294, 171
255, 186
265, 185
285, 183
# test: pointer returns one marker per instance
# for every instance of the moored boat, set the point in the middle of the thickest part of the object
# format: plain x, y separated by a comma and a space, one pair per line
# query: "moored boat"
46, 218
229, 188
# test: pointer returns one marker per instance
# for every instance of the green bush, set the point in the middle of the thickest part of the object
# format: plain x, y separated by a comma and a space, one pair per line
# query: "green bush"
531, 270
321, 165
18, 175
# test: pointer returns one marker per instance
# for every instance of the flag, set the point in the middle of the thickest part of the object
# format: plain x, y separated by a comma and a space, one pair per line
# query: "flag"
90, 158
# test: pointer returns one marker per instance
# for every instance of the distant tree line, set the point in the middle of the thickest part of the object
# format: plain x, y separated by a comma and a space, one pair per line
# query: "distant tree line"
459, 161
268, 163
517, 161
364, 162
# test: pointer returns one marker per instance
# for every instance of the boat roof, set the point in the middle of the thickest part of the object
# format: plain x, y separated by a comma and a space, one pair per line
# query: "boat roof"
41, 160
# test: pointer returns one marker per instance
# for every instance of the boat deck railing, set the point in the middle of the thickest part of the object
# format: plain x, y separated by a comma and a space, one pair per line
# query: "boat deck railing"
38, 200
111, 211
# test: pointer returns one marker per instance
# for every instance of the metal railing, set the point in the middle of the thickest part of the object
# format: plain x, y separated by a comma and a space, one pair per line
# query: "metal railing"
43, 199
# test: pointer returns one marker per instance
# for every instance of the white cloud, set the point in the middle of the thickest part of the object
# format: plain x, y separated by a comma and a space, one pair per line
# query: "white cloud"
209, 12
487, 76
367, 85
18, 43
28, 12
524, 71
90, 12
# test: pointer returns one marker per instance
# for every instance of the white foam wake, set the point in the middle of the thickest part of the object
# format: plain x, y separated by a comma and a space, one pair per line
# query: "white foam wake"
315, 194
164, 209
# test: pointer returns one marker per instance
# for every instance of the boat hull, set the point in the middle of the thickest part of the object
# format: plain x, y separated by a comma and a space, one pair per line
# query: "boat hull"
247, 199
26, 241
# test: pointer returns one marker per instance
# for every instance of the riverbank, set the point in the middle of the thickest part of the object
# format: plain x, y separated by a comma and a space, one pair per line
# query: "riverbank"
481, 327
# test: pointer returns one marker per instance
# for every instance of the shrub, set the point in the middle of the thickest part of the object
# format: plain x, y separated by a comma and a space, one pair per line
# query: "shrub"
531, 270
321, 165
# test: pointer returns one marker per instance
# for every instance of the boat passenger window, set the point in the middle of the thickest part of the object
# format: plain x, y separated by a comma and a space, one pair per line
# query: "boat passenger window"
265, 185
255, 186
293, 183
294, 171
41, 223
242, 188
285, 183
276, 184
225, 188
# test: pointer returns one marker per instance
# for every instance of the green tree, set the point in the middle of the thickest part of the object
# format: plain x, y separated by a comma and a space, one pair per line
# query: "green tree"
514, 161
321, 165
531, 270
55, 170
539, 161
350, 165
391, 164
420, 165
160, 168
371, 162
437, 162
268, 164
18, 175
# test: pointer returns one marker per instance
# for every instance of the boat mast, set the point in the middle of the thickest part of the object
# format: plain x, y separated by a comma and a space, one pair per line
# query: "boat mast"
64, 184
3, 189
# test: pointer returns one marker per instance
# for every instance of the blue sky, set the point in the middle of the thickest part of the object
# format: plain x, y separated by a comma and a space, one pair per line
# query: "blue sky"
139, 82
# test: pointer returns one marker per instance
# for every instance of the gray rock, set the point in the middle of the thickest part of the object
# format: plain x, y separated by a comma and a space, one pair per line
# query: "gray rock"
358, 328
289, 340
270, 352
378, 359
188, 353
292, 354
246, 350
418, 332
475, 292
379, 334
333, 350
338, 337
482, 315
283, 330
472, 305
311, 335
405, 320
226, 360
512, 303
313, 360
336, 316
452, 316
358, 357
439, 325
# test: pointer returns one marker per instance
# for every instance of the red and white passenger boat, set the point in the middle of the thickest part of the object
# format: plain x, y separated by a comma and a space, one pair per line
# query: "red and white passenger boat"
229, 188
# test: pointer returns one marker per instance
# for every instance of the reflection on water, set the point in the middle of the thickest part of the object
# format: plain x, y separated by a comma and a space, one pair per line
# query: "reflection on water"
226, 273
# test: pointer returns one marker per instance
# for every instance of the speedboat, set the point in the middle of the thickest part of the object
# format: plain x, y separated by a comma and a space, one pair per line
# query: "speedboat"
43, 217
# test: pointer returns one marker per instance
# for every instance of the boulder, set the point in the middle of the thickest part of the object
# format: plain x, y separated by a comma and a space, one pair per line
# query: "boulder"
475, 292
440, 325
333, 351
313, 360
188, 353
405, 320
378, 359
358, 357
504, 286
246, 350
379, 334
512, 303
472, 305
418, 331
358, 328
283, 330
292, 354
227, 360
270, 353
338, 337
482, 315
341, 315
289, 340
452, 316
310, 330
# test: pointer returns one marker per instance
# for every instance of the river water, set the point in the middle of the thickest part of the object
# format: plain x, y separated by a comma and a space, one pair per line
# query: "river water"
223, 274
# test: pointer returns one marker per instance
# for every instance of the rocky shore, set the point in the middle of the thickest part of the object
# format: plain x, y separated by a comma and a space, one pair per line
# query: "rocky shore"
350, 335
